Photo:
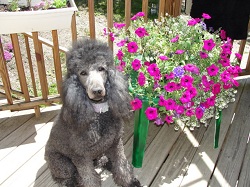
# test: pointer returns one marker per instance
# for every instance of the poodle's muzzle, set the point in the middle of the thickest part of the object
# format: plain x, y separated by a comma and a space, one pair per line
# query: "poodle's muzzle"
95, 85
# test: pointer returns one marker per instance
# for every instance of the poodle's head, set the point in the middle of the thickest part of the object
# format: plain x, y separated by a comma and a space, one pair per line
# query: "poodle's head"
90, 61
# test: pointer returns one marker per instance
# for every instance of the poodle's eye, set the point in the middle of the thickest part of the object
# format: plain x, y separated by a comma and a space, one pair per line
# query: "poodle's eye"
83, 73
101, 69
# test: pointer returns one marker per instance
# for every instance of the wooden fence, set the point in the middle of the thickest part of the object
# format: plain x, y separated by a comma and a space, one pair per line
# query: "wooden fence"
23, 99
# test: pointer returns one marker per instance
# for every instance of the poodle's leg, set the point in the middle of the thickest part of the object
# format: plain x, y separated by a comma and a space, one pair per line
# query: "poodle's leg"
86, 174
121, 169
62, 169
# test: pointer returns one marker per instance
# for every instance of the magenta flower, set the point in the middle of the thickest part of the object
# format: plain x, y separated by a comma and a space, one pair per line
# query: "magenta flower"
175, 39
111, 36
121, 43
185, 98
132, 47
224, 62
151, 113
179, 109
225, 76
162, 101
170, 86
206, 16
208, 44
146, 63
169, 76
212, 70
192, 91
121, 66
134, 18
153, 70
136, 64
170, 104
192, 22
119, 54
199, 113
224, 54
216, 88
203, 55
119, 25
141, 79
227, 47
8, 46
187, 81
190, 112
162, 57
238, 56
140, 14
136, 104
179, 51
210, 101
169, 119
141, 32
223, 34
105, 31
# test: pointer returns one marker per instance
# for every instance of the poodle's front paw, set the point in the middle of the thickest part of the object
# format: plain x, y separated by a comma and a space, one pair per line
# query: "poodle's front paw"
135, 183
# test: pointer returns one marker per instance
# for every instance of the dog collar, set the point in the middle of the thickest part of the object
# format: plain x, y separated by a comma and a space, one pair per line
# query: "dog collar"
100, 107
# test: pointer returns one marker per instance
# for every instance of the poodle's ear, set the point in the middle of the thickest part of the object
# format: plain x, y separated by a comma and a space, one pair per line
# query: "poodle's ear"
118, 95
76, 107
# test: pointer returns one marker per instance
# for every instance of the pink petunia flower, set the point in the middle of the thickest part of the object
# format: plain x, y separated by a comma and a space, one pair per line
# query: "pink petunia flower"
169, 119
203, 55
170, 86
169, 76
151, 113
141, 32
238, 56
192, 91
179, 51
136, 64
192, 22
141, 79
175, 39
153, 69
208, 44
146, 63
185, 98
211, 101
213, 70
7, 55
162, 57
133, 18
206, 16
121, 66
187, 81
224, 62
216, 88
119, 25
121, 43
179, 109
190, 112
140, 14
223, 34
119, 55
8, 46
162, 101
136, 104
199, 112
170, 104
111, 36
132, 47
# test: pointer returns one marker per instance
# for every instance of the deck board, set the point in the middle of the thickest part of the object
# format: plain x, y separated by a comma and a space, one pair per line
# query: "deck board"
202, 165
171, 158
233, 151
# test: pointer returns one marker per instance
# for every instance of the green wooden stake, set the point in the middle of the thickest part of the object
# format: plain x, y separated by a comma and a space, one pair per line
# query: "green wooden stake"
217, 130
140, 135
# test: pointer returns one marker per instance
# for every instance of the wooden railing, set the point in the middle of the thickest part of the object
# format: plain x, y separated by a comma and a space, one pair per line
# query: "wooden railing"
23, 99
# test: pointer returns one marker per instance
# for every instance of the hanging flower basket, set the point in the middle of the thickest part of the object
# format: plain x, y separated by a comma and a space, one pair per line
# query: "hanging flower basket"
181, 64
39, 20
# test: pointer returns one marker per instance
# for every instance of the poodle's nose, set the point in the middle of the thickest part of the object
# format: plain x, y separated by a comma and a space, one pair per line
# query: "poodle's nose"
97, 91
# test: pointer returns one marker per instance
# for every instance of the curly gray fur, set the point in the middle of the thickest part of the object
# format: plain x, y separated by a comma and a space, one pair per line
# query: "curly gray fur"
80, 136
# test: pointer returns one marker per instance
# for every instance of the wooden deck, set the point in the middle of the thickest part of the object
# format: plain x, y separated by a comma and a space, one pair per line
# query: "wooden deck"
171, 158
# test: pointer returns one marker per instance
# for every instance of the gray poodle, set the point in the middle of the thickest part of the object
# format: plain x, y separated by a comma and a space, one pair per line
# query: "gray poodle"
89, 128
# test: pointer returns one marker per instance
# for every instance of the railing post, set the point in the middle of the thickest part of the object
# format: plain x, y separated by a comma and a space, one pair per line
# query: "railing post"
127, 12
145, 9
91, 19
110, 20
161, 9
